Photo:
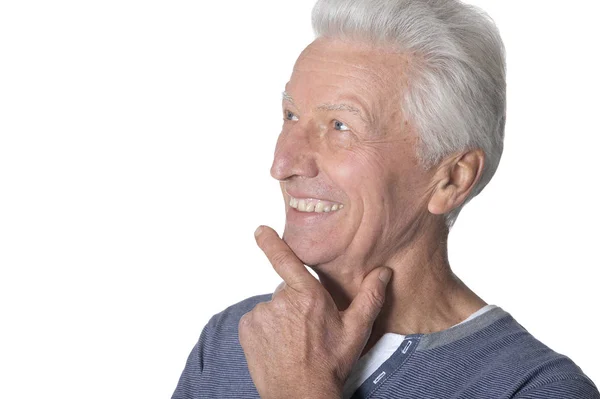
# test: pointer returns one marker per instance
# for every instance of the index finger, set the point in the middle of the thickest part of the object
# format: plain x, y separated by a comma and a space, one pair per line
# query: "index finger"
284, 260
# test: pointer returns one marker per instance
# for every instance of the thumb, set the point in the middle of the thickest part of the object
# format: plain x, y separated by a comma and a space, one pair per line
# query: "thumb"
367, 304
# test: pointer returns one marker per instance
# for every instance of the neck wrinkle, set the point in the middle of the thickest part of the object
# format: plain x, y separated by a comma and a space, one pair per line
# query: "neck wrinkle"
423, 296
422, 258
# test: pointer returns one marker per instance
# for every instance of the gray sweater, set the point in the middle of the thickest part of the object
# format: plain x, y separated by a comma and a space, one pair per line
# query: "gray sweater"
490, 356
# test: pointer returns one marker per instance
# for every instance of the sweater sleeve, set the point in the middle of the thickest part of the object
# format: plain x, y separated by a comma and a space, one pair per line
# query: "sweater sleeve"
189, 382
563, 389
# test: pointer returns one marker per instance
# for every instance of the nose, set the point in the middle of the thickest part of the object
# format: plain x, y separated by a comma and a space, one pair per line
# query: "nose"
294, 155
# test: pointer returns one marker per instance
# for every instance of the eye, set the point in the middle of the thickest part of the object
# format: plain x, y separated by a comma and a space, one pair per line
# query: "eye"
289, 115
337, 125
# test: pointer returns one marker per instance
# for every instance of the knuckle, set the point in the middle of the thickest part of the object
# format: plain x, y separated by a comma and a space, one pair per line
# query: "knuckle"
259, 308
280, 258
244, 323
311, 301
261, 312
308, 303
279, 288
280, 305
375, 299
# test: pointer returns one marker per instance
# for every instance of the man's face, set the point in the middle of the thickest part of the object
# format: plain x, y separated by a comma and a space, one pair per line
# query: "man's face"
346, 156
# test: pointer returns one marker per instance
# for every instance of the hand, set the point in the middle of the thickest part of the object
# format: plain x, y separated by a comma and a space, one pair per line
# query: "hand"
299, 345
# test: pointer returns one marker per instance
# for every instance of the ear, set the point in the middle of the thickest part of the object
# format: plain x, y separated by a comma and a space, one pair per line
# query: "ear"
455, 179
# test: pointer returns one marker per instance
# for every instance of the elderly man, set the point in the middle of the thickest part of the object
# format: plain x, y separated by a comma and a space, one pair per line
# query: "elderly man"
393, 120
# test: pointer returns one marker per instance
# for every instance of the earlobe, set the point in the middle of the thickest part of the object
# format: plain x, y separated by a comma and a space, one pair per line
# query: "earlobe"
456, 178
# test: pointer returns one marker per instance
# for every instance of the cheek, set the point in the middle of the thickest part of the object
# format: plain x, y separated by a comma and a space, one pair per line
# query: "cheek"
378, 177
340, 140
362, 174
362, 164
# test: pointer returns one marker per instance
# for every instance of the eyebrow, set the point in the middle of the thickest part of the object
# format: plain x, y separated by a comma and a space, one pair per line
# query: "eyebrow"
329, 107
285, 96
339, 107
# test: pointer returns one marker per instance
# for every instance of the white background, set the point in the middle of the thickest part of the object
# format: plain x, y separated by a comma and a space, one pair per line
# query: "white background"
135, 144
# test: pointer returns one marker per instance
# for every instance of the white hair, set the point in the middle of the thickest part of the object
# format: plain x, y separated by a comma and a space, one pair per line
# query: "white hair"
456, 95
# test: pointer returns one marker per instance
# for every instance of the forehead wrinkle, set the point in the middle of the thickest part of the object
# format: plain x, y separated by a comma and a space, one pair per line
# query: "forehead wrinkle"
374, 84
365, 64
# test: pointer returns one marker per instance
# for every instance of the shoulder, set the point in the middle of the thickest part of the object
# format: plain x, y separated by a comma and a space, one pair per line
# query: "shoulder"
538, 370
495, 353
545, 372
533, 366
575, 387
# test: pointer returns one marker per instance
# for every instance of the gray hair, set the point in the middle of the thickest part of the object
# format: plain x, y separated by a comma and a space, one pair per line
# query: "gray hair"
457, 91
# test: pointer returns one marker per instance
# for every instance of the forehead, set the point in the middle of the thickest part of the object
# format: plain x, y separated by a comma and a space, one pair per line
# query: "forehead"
333, 67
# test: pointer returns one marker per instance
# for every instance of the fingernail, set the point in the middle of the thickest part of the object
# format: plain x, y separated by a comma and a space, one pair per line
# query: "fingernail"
385, 275
258, 231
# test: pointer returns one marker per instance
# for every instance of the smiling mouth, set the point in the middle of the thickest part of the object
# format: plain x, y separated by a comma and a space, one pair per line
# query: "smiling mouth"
314, 205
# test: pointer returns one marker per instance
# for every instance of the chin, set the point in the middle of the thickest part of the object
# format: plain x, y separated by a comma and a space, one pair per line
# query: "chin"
311, 253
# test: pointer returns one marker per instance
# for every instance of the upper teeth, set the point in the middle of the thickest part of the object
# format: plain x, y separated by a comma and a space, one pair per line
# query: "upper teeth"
314, 205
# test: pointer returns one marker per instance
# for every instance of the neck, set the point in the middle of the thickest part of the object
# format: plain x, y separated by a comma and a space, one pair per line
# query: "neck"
423, 296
